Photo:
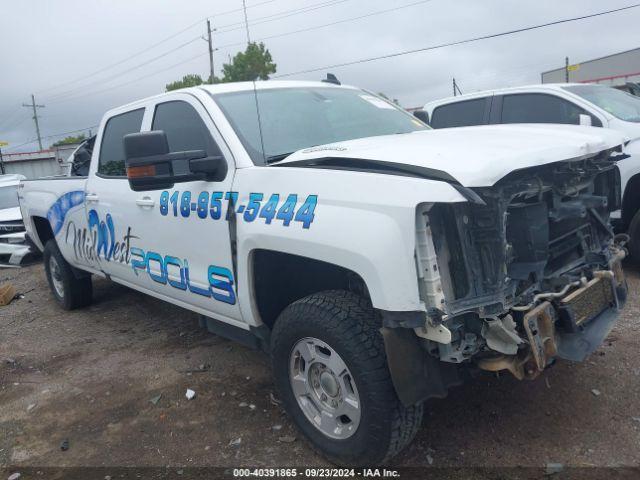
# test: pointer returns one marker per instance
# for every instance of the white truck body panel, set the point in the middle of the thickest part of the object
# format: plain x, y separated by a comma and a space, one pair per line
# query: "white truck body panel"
497, 149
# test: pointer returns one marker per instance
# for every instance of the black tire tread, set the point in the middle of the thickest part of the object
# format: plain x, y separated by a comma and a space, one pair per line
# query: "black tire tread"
78, 291
353, 318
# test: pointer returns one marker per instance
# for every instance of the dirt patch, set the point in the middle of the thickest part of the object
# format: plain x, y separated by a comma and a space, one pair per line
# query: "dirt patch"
89, 376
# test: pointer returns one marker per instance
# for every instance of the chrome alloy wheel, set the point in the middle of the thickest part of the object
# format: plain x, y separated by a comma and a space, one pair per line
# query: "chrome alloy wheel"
56, 276
324, 388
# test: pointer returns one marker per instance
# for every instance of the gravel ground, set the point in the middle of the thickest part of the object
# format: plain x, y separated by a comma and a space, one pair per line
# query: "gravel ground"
89, 376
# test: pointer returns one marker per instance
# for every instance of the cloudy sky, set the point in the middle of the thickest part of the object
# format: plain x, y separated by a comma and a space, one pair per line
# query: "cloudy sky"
81, 58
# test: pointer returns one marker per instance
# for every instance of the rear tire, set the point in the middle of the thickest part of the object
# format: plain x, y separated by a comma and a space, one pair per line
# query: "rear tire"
340, 328
71, 292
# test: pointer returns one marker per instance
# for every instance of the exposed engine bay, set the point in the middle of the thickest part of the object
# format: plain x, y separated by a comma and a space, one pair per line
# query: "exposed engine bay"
527, 273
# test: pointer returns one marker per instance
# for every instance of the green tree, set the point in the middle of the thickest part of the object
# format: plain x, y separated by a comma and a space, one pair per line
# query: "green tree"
191, 80
70, 140
252, 64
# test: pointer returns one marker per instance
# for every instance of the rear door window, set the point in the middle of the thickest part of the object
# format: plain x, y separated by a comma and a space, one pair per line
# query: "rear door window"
541, 108
111, 161
460, 114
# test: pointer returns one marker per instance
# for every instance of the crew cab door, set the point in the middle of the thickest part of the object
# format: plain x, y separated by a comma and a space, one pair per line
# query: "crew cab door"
176, 241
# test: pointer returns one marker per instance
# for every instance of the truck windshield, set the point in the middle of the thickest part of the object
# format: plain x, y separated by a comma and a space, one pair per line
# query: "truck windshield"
295, 118
619, 104
9, 197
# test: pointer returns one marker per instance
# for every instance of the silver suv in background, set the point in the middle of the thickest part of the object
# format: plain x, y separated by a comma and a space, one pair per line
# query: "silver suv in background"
567, 103
13, 246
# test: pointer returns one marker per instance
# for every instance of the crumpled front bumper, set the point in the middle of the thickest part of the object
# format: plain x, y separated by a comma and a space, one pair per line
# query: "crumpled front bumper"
570, 328
589, 335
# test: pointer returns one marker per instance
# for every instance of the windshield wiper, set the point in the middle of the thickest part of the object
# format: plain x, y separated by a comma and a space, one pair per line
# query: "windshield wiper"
277, 158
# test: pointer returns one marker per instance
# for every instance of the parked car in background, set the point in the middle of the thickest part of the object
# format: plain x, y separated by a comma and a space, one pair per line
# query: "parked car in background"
577, 104
13, 247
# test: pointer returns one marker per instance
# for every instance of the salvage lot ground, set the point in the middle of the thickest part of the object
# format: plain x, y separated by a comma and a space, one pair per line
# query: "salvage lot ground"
88, 376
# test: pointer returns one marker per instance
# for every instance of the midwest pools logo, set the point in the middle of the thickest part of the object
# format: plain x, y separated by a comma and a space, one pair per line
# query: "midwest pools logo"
96, 239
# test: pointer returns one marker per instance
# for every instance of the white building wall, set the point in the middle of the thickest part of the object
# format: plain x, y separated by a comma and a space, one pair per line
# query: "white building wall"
614, 70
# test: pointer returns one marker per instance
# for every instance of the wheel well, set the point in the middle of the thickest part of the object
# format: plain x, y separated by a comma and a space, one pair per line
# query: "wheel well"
279, 279
630, 201
43, 229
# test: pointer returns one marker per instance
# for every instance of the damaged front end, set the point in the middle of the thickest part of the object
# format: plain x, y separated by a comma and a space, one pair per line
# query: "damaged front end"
528, 273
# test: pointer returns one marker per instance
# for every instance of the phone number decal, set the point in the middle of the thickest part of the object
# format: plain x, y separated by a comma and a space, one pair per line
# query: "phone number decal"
212, 205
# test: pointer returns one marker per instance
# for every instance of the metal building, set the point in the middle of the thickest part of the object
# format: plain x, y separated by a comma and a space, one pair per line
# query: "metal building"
45, 163
617, 70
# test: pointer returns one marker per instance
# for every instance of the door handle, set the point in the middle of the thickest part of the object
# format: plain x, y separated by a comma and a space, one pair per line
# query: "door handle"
91, 197
145, 202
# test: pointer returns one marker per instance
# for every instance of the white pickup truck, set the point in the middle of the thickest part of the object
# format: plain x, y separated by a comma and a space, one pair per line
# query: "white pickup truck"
372, 257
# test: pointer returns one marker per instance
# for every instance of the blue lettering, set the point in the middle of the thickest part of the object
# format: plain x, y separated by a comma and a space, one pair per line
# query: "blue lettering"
182, 284
225, 285
156, 257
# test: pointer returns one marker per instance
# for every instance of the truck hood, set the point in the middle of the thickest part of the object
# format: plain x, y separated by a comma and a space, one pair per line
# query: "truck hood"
472, 156
10, 214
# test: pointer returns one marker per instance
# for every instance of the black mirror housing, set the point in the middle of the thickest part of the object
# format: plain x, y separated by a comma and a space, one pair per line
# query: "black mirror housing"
422, 116
150, 165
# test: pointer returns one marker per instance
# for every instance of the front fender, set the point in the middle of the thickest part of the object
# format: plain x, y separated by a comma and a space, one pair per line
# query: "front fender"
363, 222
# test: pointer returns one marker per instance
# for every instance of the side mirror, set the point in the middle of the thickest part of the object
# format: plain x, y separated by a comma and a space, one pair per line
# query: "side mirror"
150, 166
422, 116
585, 120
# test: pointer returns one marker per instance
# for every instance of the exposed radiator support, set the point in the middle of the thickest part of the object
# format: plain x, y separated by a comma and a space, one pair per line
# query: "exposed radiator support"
428, 273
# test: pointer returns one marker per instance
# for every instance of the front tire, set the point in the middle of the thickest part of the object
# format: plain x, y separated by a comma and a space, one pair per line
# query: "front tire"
70, 291
331, 371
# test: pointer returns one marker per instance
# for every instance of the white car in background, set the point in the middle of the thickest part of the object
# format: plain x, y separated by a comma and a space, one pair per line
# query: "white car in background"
13, 246
566, 103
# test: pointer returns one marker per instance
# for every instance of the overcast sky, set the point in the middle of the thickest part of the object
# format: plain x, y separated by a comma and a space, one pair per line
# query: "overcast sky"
49, 47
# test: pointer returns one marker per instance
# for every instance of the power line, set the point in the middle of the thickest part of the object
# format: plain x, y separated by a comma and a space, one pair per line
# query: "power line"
86, 94
136, 67
459, 42
7, 118
71, 93
74, 97
13, 125
52, 136
286, 13
278, 16
338, 22
151, 47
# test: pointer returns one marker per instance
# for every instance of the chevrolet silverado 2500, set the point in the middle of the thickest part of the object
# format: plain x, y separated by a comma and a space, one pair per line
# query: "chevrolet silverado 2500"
372, 257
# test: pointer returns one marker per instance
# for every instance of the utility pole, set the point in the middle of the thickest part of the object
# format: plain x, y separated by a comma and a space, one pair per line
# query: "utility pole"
246, 22
566, 69
33, 105
210, 40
